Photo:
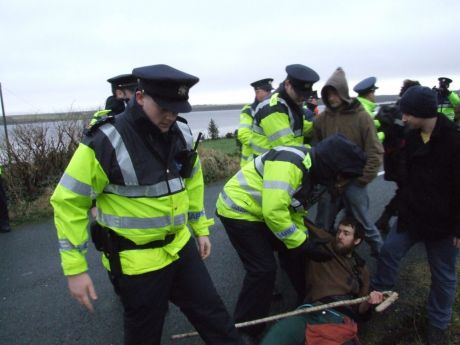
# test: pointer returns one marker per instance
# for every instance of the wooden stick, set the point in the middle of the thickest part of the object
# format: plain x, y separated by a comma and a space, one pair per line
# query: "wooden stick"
387, 302
392, 296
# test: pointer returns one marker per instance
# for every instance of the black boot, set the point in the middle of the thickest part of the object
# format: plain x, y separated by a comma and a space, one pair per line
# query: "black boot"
436, 336
5, 228
382, 222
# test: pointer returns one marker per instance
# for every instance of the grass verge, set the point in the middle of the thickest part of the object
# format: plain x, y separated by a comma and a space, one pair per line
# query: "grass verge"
405, 322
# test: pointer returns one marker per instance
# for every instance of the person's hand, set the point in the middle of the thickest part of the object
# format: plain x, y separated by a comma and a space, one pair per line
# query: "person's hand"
457, 242
316, 250
82, 289
313, 248
375, 297
204, 246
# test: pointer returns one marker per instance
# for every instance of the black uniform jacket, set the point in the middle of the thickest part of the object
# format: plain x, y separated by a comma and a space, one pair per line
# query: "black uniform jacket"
430, 195
155, 156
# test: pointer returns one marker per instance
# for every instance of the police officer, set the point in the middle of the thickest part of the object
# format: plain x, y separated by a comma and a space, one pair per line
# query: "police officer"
366, 96
123, 88
279, 120
4, 218
148, 185
447, 100
262, 89
262, 209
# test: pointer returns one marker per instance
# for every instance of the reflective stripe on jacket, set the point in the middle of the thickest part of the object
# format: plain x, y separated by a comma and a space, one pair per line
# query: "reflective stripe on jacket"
275, 124
265, 191
448, 104
245, 134
139, 194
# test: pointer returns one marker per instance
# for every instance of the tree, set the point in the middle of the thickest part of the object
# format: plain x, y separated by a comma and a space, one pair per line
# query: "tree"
213, 130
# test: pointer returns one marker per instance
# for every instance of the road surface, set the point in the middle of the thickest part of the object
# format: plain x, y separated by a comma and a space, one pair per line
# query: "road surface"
36, 308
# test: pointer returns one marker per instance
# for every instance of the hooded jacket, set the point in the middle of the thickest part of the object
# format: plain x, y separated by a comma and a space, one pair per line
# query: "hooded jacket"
353, 122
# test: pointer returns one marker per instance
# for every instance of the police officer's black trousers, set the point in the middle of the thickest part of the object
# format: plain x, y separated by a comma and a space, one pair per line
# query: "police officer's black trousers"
255, 245
4, 218
186, 283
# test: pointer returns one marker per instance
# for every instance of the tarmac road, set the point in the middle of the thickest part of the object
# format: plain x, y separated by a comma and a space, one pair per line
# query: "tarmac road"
36, 308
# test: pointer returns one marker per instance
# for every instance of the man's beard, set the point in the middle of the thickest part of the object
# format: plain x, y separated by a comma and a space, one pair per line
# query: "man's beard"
342, 250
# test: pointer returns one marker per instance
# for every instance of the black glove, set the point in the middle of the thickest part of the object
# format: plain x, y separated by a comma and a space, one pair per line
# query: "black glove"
313, 248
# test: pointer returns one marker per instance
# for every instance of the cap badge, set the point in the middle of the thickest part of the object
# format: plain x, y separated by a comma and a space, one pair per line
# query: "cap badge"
182, 91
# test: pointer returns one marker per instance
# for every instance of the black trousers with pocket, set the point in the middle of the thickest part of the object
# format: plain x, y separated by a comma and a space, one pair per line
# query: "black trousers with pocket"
186, 283
255, 244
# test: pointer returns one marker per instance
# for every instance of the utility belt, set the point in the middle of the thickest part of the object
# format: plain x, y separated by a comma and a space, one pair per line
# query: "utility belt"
111, 244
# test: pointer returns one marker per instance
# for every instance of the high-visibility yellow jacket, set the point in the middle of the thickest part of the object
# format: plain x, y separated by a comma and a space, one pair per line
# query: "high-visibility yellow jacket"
245, 132
447, 105
138, 190
271, 189
372, 109
276, 123
99, 115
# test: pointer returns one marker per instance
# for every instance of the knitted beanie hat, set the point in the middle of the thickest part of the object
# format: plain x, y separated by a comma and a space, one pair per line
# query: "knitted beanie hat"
419, 101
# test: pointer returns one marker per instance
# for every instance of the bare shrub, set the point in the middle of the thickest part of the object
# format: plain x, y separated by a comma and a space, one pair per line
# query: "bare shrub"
217, 165
35, 159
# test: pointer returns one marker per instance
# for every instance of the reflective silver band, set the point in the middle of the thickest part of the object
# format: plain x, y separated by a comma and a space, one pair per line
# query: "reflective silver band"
257, 129
122, 154
187, 133
65, 245
76, 186
259, 165
291, 149
279, 134
156, 190
251, 191
279, 185
258, 149
127, 223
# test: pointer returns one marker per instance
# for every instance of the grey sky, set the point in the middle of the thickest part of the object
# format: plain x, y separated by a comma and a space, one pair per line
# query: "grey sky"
57, 55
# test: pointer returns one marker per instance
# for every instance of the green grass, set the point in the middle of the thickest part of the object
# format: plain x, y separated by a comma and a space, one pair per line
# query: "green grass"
405, 322
225, 145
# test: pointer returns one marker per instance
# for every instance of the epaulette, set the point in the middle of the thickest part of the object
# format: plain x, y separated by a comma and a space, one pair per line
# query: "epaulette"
92, 127
181, 119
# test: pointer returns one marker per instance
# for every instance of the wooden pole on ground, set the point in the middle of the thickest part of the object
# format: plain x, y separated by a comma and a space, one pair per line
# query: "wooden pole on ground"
391, 297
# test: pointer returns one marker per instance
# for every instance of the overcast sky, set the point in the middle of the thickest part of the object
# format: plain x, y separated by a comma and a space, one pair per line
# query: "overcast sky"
57, 55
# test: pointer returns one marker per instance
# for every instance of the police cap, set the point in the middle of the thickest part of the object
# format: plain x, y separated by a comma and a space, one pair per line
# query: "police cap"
263, 84
167, 86
123, 81
302, 78
445, 80
365, 86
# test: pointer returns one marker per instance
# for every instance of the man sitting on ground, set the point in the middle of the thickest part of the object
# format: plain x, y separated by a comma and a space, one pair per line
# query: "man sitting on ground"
343, 277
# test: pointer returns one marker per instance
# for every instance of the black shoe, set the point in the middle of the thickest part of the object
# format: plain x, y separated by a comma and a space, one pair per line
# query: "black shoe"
382, 222
5, 228
436, 336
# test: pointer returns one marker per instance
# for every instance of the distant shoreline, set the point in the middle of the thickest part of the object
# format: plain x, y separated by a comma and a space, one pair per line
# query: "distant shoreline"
85, 115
